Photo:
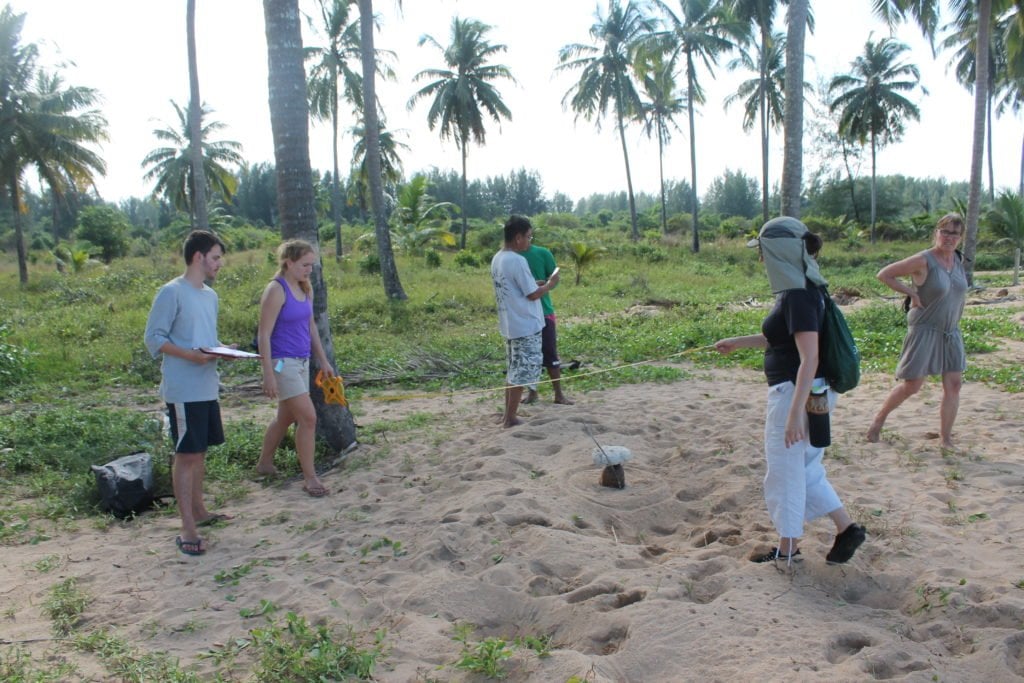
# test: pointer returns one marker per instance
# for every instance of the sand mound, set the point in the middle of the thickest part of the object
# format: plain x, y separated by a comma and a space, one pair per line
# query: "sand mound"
509, 530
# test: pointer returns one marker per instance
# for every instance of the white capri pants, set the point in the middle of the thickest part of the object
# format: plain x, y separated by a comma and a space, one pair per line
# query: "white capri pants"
796, 489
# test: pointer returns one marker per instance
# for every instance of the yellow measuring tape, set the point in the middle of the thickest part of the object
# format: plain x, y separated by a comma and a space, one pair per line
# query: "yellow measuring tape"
469, 392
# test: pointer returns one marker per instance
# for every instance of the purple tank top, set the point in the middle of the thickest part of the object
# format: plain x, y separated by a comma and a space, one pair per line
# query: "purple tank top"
290, 338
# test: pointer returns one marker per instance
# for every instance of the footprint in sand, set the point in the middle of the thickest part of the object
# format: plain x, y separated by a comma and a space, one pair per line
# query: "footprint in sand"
607, 641
1015, 653
591, 591
528, 436
845, 645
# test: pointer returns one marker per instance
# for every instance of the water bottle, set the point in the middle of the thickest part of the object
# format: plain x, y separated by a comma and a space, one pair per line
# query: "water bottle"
819, 430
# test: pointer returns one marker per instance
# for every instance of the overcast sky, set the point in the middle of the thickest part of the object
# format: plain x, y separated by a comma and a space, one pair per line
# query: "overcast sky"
134, 53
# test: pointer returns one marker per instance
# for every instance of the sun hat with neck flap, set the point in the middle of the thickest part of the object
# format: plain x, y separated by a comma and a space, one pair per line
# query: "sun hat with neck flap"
785, 255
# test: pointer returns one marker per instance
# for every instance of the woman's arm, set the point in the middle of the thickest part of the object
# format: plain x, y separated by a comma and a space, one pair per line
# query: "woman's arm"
317, 347
730, 344
271, 304
915, 267
807, 346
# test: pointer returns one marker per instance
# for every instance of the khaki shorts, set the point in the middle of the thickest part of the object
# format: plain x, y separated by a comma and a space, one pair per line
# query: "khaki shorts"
293, 378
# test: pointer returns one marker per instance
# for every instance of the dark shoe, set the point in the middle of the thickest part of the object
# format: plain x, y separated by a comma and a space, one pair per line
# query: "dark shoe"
774, 554
190, 547
846, 544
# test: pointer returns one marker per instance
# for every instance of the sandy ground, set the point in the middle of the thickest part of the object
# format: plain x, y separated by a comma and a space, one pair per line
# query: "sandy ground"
510, 531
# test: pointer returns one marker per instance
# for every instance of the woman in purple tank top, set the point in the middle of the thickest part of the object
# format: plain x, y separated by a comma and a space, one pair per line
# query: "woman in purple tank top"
287, 338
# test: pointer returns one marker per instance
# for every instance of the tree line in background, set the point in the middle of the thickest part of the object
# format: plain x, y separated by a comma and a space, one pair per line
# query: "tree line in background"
636, 47
643, 66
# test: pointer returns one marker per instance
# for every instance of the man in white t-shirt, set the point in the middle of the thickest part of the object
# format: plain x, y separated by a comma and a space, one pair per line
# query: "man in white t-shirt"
183, 320
520, 317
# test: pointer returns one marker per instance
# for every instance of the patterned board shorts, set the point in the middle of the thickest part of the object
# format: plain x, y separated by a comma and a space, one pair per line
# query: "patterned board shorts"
524, 359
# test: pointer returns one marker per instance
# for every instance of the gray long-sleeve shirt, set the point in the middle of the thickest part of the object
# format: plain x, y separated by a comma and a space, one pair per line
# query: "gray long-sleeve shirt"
185, 316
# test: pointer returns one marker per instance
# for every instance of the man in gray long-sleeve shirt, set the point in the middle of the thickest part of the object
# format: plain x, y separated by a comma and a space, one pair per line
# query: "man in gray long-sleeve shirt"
183, 320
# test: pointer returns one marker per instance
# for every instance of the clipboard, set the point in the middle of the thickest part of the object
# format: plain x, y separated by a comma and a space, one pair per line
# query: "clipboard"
226, 352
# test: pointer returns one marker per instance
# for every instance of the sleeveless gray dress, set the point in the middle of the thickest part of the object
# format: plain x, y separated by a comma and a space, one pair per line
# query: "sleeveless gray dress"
933, 344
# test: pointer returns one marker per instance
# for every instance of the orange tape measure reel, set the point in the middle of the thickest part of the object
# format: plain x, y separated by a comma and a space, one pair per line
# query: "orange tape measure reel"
333, 388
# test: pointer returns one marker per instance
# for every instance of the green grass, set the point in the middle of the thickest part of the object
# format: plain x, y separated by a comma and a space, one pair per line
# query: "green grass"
65, 605
73, 371
74, 368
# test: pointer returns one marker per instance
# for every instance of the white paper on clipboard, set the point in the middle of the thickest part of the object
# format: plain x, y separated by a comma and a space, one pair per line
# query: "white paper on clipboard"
227, 352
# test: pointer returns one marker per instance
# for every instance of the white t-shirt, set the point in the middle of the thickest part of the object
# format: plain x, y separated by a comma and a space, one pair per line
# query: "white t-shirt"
187, 317
513, 282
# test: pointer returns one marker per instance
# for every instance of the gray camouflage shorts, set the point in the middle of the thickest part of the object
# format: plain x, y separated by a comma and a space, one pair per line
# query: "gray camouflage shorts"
524, 359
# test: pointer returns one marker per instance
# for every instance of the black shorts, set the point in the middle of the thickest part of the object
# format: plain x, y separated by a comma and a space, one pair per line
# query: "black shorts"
549, 343
195, 426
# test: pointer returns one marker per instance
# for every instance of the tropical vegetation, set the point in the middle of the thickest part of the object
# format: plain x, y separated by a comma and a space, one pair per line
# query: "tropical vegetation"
463, 93
171, 166
872, 100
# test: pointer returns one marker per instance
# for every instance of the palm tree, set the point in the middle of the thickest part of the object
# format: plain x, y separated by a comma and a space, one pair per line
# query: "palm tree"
43, 125
1009, 86
200, 215
760, 15
582, 255
659, 110
418, 219
1006, 219
171, 166
961, 39
762, 98
607, 74
335, 75
390, 164
289, 121
797, 18
372, 125
463, 92
705, 30
926, 14
870, 102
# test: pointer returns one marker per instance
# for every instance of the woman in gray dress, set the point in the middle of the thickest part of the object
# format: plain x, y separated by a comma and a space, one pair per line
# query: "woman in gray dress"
933, 345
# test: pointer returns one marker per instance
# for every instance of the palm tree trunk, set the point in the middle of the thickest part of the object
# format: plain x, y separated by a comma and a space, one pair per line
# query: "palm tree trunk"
371, 125
874, 187
763, 96
335, 181
19, 233
661, 176
978, 138
629, 176
991, 172
55, 217
200, 214
695, 245
463, 139
289, 121
793, 149
853, 184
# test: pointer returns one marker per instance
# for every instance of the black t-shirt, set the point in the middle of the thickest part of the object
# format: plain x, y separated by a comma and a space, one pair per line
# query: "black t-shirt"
795, 310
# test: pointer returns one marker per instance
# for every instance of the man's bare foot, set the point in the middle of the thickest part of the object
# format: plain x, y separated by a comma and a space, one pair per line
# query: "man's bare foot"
562, 400
267, 471
531, 397
948, 446
514, 422
874, 432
